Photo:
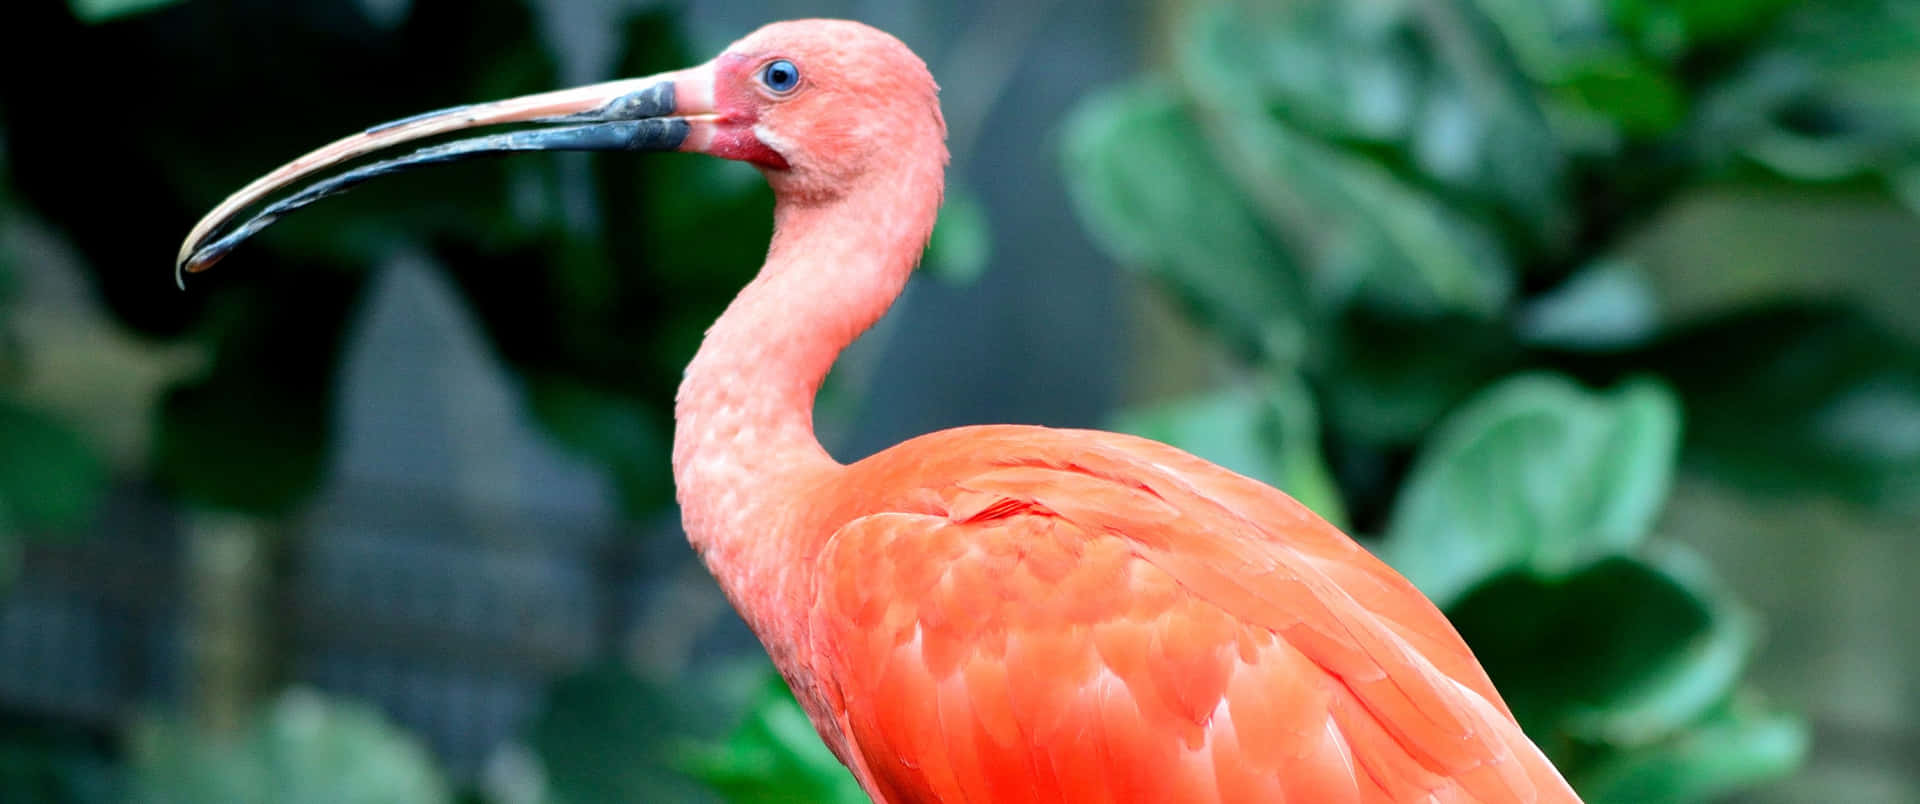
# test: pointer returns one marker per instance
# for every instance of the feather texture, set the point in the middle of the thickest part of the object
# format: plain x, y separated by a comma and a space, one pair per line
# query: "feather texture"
1013, 614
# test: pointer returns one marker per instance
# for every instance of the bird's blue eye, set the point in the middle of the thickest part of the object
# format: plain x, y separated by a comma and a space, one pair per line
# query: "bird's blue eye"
780, 75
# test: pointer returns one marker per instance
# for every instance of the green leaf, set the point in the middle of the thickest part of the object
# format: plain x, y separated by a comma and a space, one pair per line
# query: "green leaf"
962, 242
1636, 94
1848, 109
1388, 379
50, 477
1620, 652
1799, 399
1485, 118
1268, 431
1739, 746
1721, 19
1153, 196
1362, 229
98, 11
1608, 305
305, 749
774, 756
1680, 686
1333, 71
605, 736
1548, 39
1537, 474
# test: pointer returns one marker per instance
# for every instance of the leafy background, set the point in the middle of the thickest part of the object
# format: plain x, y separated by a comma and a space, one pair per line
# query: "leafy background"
1595, 317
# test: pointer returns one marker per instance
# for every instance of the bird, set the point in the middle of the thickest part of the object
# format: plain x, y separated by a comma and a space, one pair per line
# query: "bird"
991, 613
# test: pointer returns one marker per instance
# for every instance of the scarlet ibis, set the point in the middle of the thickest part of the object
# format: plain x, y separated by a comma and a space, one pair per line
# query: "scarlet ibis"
992, 613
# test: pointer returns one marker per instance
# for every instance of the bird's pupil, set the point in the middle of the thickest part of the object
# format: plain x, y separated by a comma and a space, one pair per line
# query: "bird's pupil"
781, 75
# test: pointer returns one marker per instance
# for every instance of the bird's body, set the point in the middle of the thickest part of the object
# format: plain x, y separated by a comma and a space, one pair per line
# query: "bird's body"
1025, 614
999, 613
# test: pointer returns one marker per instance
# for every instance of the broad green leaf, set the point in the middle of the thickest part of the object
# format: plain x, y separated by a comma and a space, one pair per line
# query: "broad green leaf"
1548, 38
1608, 305
50, 478
1333, 70
1740, 745
773, 756
1618, 652
1679, 687
962, 242
1434, 82
1362, 229
1535, 474
1665, 27
1806, 400
1268, 431
1852, 68
1635, 94
1151, 193
1719, 19
1515, 158
304, 749
98, 11
1387, 380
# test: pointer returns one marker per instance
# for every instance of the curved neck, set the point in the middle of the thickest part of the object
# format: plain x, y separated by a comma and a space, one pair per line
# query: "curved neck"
743, 438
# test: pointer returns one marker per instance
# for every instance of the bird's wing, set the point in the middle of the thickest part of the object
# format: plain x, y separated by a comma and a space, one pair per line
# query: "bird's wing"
1104, 631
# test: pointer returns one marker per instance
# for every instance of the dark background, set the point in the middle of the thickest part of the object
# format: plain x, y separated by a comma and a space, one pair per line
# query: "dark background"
1599, 318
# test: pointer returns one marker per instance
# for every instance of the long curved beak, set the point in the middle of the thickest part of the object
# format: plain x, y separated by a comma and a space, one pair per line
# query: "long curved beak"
666, 112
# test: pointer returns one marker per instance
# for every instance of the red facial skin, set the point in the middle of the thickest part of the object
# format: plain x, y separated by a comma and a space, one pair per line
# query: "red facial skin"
738, 97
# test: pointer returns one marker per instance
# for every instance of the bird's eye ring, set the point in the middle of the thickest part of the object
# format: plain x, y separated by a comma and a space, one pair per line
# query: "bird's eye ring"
780, 76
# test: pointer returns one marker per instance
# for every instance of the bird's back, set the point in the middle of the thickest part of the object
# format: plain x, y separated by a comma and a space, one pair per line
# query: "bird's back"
1008, 614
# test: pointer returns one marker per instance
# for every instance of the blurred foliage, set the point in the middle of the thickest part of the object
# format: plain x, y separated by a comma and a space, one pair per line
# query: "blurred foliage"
1537, 475
595, 320
52, 479
107, 10
56, 763
560, 263
774, 755
304, 749
608, 737
1412, 225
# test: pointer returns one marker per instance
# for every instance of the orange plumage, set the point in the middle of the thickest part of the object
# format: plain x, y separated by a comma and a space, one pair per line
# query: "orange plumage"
1010, 614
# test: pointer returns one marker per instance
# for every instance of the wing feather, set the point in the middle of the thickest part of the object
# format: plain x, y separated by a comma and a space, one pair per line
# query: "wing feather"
1123, 629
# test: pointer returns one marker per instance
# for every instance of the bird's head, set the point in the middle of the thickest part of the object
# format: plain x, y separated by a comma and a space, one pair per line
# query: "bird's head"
818, 103
815, 104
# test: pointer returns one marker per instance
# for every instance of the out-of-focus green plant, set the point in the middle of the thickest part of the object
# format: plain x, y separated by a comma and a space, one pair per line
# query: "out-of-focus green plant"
107, 10
51, 478
556, 262
1380, 210
303, 749
774, 755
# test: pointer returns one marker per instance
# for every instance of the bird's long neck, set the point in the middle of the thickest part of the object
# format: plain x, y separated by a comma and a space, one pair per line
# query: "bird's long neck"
744, 454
